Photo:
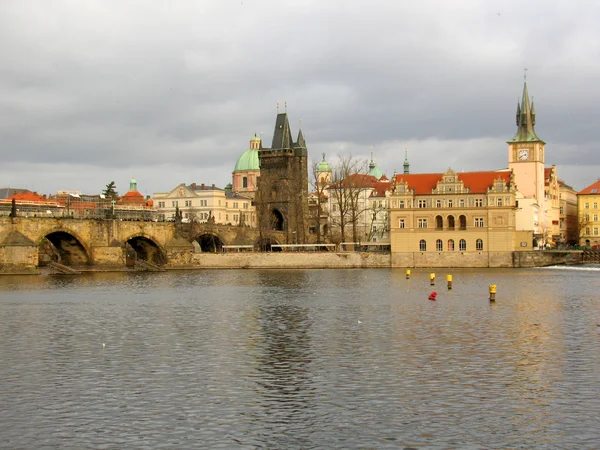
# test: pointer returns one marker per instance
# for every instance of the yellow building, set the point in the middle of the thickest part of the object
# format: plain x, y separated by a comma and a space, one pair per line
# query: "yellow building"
588, 201
455, 219
568, 214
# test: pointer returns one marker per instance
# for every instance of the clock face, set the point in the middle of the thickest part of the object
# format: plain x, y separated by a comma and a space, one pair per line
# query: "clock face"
523, 154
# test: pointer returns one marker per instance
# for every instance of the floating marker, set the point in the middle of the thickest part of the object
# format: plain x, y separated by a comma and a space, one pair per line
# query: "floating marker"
432, 279
408, 274
492, 292
449, 281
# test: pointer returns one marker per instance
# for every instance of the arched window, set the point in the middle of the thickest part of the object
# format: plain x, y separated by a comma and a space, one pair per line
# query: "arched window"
422, 245
439, 245
245, 182
462, 220
451, 222
462, 245
439, 222
450, 245
479, 244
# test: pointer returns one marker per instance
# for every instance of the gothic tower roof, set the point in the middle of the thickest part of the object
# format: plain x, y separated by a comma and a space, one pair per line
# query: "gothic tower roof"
525, 120
282, 136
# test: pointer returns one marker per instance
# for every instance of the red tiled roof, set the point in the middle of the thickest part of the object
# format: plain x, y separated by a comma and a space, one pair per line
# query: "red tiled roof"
132, 197
28, 196
477, 182
380, 188
593, 188
357, 180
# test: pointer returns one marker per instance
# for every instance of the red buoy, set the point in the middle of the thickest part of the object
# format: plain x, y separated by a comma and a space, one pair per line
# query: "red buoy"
433, 295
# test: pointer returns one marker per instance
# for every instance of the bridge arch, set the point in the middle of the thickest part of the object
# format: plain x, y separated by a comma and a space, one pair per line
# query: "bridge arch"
210, 242
144, 247
63, 246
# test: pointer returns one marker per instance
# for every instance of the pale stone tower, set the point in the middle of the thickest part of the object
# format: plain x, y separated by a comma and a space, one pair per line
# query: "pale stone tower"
526, 159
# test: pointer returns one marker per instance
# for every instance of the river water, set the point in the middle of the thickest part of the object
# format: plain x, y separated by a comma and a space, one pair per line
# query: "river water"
301, 359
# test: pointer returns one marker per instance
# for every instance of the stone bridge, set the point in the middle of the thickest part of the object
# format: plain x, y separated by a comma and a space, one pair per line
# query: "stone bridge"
28, 243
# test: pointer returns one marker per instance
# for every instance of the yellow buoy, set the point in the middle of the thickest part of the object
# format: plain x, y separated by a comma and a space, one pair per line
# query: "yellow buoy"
492, 292
449, 280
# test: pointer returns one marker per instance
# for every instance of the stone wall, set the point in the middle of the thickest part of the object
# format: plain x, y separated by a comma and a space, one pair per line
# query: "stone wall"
547, 258
277, 260
452, 259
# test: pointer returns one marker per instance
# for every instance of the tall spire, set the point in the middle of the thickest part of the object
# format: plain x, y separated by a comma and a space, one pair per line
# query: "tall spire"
371, 163
525, 118
406, 164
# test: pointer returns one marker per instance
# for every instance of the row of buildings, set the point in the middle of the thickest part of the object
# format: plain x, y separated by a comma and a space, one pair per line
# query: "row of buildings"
467, 218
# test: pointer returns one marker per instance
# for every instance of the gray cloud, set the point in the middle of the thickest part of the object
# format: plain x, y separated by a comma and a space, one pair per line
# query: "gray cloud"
171, 92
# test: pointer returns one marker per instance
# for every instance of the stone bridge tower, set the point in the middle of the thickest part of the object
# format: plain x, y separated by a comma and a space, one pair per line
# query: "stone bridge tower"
282, 189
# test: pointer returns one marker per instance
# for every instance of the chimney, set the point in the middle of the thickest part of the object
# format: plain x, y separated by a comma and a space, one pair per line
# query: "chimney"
194, 186
202, 186
213, 186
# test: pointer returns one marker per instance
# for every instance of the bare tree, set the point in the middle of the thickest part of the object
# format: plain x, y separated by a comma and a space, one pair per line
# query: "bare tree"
583, 226
317, 209
349, 176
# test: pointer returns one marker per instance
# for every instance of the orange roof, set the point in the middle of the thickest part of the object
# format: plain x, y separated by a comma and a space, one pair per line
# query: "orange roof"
29, 196
357, 180
593, 188
132, 197
477, 182
380, 188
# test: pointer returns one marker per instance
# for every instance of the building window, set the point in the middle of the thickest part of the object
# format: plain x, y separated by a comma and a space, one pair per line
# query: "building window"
422, 223
401, 223
245, 205
422, 204
438, 203
439, 222
587, 217
450, 245
479, 244
479, 202
499, 200
595, 205
587, 205
587, 231
401, 204
450, 203
423, 245
161, 204
595, 217
461, 203
462, 245
595, 231
175, 203
235, 205
451, 222
188, 203
235, 217
462, 222
562, 210
439, 245
227, 217
245, 182
479, 222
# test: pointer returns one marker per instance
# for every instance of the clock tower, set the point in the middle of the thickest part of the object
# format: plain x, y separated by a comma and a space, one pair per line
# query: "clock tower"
526, 152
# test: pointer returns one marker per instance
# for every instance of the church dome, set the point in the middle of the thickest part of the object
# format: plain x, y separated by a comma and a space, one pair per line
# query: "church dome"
323, 166
374, 171
247, 161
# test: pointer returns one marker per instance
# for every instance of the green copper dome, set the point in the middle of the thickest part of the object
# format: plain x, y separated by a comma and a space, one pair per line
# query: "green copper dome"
247, 161
374, 170
323, 166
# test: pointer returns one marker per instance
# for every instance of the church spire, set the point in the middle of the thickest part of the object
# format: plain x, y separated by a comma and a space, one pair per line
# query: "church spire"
525, 119
406, 164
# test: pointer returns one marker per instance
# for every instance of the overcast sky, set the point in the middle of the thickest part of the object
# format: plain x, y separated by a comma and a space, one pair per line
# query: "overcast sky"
171, 91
